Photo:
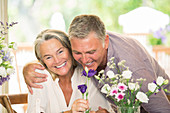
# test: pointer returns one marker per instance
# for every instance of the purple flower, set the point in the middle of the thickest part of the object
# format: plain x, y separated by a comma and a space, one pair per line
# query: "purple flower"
7, 57
159, 89
82, 88
154, 82
90, 73
159, 34
168, 28
3, 79
163, 39
1, 23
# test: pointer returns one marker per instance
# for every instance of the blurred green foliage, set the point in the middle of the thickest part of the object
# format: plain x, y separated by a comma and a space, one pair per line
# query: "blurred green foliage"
37, 13
154, 41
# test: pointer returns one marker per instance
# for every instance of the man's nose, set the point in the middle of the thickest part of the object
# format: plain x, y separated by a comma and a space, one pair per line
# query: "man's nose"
84, 59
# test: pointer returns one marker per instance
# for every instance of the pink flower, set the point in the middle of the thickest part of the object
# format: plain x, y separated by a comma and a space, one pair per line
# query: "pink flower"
122, 87
120, 96
113, 91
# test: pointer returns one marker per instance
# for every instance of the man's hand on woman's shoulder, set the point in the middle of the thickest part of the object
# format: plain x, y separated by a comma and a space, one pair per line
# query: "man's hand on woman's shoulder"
32, 77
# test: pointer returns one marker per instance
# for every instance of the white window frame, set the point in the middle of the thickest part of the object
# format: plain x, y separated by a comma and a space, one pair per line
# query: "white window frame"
4, 18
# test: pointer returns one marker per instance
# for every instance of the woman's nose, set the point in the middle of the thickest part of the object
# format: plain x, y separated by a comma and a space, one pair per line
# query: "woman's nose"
56, 59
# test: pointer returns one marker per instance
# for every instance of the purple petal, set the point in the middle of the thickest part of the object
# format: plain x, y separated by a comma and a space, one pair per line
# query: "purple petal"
91, 73
163, 39
82, 88
154, 82
4, 79
168, 28
84, 73
159, 89
1, 23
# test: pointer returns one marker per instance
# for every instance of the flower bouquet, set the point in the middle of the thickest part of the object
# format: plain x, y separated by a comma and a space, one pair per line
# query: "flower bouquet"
84, 87
6, 68
123, 90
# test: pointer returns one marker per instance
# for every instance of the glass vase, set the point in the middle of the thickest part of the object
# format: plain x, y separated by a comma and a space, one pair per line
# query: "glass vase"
128, 109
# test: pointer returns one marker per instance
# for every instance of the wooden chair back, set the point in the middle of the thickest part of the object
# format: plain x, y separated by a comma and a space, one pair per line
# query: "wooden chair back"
8, 99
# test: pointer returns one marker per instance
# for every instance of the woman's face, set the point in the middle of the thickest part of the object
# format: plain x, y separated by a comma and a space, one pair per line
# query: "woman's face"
56, 57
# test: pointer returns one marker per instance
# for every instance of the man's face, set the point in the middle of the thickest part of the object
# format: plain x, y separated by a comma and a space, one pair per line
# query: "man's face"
89, 51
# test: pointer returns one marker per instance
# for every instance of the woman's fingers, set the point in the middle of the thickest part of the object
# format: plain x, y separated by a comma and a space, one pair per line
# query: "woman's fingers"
80, 105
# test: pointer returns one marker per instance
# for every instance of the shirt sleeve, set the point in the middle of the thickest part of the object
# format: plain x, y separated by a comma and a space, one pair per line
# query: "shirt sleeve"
37, 102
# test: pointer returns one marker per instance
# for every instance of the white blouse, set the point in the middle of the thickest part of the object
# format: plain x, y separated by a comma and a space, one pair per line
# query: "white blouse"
51, 99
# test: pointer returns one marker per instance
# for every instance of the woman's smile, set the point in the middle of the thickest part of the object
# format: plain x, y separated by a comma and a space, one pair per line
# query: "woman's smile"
62, 65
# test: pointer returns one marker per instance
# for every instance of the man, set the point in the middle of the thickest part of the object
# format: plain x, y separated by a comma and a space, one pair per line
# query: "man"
92, 47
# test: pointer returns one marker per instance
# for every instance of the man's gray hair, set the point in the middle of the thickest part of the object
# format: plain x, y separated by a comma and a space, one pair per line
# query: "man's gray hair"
82, 25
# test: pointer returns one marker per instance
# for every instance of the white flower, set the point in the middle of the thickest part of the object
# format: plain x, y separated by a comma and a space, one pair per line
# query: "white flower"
137, 86
152, 87
1, 60
142, 97
128, 101
108, 64
101, 72
97, 77
110, 74
111, 67
127, 74
140, 79
166, 82
131, 86
121, 62
86, 69
3, 72
160, 80
105, 89
112, 58
10, 71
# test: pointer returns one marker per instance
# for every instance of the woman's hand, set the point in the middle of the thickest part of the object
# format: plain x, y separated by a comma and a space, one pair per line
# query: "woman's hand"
79, 106
31, 77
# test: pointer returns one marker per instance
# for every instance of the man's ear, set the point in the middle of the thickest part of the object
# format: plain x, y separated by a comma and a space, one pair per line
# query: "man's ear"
106, 41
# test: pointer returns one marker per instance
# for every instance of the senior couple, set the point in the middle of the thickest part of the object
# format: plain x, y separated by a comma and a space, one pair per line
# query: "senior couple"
53, 83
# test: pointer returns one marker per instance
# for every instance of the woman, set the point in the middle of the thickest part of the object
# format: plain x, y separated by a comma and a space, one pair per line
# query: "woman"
60, 92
